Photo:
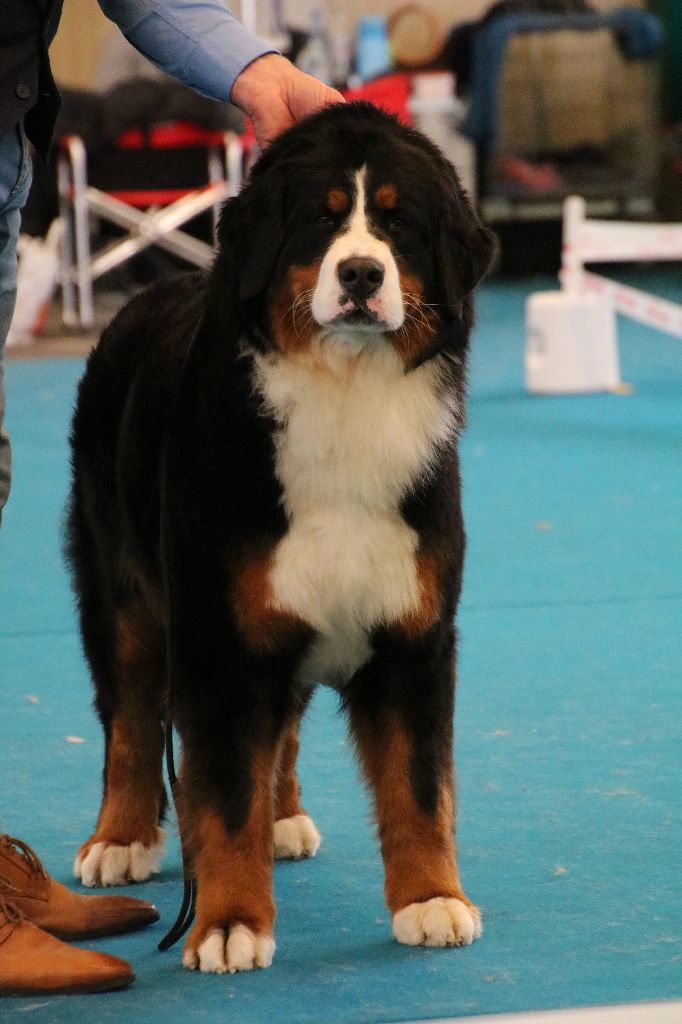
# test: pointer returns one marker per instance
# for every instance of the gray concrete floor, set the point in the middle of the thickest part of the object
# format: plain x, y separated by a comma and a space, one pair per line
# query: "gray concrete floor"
57, 341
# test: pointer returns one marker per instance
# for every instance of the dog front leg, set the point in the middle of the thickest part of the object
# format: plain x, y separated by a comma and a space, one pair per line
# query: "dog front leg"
401, 709
226, 816
128, 841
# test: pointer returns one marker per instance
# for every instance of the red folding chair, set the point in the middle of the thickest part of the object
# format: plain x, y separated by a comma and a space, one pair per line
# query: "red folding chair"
152, 214
390, 92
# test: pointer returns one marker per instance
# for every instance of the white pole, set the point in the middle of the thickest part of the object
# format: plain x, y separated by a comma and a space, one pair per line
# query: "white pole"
66, 246
571, 274
77, 154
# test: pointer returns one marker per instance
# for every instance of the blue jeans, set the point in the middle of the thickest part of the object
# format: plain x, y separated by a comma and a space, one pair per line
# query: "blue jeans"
15, 182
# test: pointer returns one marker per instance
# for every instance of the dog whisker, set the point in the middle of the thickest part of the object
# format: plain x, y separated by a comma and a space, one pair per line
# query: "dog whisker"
420, 321
414, 303
301, 302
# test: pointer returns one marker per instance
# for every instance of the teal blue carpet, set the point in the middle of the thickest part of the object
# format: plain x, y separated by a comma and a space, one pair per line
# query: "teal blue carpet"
568, 723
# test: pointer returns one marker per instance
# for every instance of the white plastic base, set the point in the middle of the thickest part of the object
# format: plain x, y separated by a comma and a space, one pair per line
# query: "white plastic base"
571, 344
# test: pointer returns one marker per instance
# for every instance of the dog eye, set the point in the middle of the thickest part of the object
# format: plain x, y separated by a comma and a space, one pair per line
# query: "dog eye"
397, 222
326, 220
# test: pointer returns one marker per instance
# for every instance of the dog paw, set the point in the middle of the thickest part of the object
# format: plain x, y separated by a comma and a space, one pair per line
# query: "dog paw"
296, 837
242, 950
442, 921
102, 863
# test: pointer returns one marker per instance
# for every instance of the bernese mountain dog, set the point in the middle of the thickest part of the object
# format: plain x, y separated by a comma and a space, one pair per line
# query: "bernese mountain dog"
266, 497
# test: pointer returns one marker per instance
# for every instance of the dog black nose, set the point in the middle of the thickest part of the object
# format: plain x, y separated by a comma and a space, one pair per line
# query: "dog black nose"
360, 277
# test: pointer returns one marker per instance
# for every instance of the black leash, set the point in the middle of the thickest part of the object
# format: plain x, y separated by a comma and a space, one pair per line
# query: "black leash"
186, 913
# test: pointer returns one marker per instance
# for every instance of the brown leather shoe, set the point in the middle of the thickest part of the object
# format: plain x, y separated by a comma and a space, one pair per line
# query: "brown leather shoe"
35, 963
54, 908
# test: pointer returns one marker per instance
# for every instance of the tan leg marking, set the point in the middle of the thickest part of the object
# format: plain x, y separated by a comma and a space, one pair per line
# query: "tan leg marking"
287, 788
127, 840
422, 885
235, 911
418, 849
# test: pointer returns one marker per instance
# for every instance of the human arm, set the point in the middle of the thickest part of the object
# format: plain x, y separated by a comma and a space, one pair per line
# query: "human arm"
202, 43
199, 42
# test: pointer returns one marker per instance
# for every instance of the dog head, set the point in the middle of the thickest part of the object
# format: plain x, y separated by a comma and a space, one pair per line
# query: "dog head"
353, 227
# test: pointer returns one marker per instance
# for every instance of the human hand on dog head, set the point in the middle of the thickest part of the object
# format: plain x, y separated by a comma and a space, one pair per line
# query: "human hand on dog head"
275, 95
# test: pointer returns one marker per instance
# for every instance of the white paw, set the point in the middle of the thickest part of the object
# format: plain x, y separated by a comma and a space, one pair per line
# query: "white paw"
442, 921
296, 837
242, 951
110, 864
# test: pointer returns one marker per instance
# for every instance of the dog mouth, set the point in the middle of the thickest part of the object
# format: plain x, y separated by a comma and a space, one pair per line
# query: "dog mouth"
359, 315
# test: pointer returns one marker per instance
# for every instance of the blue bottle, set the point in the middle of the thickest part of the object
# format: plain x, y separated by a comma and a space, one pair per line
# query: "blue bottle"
372, 52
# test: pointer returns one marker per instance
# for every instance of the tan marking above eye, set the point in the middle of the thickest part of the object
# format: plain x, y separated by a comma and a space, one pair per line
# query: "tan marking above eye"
386, 197
337, 200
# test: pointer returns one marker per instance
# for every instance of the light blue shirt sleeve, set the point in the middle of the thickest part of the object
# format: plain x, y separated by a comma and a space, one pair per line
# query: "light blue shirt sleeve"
200, 42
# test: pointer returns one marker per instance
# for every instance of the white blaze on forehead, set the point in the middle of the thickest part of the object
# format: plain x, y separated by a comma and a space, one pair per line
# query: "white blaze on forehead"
357, 240
358, 228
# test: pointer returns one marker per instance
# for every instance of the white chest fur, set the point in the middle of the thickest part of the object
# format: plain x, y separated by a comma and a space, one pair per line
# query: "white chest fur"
354, 433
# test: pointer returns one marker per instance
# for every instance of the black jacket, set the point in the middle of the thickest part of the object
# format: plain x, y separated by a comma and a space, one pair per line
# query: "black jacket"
26, 84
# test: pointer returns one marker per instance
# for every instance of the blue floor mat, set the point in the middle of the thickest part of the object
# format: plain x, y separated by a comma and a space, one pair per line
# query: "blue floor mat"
568, 720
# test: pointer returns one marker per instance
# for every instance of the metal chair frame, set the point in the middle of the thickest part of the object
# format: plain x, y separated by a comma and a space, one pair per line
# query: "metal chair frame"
157, 225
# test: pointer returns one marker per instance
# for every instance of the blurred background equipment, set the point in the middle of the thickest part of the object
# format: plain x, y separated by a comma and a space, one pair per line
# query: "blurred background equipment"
417, 35
532, 100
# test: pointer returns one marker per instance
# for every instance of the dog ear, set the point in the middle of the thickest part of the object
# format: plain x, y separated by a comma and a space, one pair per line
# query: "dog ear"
251, 234
465, 246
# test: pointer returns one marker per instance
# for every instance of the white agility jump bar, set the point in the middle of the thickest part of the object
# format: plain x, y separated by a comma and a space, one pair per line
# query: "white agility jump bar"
601, 241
